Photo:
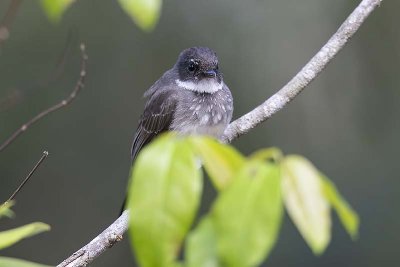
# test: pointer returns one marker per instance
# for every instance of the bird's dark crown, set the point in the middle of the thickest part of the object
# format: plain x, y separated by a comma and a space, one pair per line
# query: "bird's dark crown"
198, 63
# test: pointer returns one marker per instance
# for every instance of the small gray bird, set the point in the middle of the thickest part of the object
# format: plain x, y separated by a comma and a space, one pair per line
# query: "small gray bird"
190, 98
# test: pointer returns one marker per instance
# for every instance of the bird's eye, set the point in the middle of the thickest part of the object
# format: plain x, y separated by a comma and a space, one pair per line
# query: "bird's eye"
193, 65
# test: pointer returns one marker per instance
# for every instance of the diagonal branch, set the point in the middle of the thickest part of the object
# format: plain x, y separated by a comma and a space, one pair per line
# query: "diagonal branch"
79, 85
306, 75
44, 156
100, 244
247, 122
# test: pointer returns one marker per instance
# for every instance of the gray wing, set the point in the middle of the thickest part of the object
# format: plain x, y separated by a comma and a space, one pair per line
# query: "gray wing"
156, 118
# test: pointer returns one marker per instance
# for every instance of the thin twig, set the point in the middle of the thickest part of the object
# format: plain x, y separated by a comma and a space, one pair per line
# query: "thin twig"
251, 119
79, 85
44, 156
8, 19
101, 243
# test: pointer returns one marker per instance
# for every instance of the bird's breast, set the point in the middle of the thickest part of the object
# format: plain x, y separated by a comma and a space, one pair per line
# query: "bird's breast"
204, 114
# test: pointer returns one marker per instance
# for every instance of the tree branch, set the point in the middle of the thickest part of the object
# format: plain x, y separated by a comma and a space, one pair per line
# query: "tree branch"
306, 75
79, 85
247, 122
44, 156
101, 243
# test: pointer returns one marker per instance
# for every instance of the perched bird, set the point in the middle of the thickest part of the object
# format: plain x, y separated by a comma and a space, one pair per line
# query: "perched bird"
190, 98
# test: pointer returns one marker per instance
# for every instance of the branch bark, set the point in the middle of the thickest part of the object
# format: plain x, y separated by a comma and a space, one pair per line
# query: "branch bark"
247, 122
101, 243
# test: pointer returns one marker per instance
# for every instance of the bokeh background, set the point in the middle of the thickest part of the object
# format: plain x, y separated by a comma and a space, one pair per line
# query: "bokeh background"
346, 121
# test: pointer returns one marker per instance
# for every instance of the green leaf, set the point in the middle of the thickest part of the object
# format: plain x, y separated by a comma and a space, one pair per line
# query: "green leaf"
271, 153
347, 215
305, 201
145, 13
247, 215
10, 237
163, 199
54, 9
221, 162
5, 210
11, 262
201, 250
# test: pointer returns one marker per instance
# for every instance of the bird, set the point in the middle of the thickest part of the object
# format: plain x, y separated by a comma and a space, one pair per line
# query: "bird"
190, 98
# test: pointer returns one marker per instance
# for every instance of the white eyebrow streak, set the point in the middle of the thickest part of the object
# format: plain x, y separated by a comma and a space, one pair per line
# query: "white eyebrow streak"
204, 86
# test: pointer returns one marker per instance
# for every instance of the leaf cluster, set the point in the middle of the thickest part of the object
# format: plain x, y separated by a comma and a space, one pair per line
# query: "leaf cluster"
12, 236
145, 13
243, 224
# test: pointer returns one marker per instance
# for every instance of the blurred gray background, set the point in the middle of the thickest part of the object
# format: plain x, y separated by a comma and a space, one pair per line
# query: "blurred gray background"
346, 122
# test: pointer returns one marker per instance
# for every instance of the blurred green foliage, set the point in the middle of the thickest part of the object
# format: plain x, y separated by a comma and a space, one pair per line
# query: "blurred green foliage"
12, 236
346, 122
11, 262
305, 202
145, 13
5, 210
220, 162
162, 200
348, 217
244, 221
54, 9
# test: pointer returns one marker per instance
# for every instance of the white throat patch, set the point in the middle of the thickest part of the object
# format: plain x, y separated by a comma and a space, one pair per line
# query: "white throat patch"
203, 86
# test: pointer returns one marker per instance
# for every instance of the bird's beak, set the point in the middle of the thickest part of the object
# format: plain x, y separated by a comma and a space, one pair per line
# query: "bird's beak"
210, 73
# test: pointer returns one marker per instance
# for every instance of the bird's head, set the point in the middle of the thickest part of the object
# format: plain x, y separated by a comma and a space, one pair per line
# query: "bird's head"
198, 70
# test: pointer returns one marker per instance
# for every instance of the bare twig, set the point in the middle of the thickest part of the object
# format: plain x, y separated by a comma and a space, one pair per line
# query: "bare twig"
79, 85
44, 156
253, 118
8, 19
101, 243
